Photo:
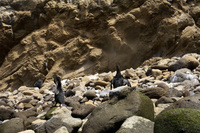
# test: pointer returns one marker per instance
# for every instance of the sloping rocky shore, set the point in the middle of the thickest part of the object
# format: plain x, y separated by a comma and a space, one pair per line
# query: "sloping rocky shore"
164, 97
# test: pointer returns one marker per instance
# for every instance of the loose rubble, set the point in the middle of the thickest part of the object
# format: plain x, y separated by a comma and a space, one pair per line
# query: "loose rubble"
91, 103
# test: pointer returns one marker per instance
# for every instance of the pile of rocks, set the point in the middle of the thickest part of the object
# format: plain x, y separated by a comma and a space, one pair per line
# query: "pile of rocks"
171, 87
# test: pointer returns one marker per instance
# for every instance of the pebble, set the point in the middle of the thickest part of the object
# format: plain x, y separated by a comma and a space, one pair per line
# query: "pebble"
90, 94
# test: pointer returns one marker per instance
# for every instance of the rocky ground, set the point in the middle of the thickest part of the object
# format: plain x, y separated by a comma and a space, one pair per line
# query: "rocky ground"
164, 97
41, 39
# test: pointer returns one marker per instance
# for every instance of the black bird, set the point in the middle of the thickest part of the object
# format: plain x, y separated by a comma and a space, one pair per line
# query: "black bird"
149, 71
119, 80
59, 95
38, 83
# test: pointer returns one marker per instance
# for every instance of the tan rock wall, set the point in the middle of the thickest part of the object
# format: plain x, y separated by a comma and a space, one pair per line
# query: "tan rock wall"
72, 39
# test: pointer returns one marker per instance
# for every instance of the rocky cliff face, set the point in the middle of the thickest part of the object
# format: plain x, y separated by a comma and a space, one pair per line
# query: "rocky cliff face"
41, 39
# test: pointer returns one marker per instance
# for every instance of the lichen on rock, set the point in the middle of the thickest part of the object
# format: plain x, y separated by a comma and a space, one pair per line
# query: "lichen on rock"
178, 120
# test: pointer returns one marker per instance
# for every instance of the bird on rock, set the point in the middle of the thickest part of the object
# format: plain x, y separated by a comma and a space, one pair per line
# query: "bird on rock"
118, 79
59, 95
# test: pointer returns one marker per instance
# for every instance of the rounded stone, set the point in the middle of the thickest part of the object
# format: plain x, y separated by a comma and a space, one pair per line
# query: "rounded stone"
156, 72
154, 92
12, 126
62, 129
27, 131
111, 114
178, 121
90, 94
187, 102
136, 124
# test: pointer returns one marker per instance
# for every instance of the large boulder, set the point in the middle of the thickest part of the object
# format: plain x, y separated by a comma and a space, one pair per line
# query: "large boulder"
189, 62
6, 114
178, 121
63, 115
154, 92
90, 94
62, 129
75, 123
27, 113
109, 116
82, 110
36, 124
27, 131
164, 100
136, 124
182, 75
187, 102
52, 125
12, 126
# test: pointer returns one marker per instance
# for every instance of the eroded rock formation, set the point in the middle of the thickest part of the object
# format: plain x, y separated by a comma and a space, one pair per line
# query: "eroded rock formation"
70, 38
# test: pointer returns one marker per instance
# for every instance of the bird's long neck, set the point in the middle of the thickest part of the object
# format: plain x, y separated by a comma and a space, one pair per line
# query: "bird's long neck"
59, 87
118, 74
